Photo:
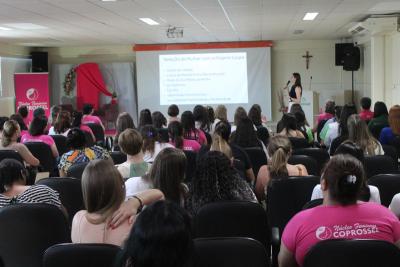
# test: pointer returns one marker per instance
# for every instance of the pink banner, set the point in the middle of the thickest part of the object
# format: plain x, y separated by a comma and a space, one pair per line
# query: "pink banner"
32, 90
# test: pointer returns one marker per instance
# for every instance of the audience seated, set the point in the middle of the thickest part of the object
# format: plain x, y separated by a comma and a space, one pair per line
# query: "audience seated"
22, 126
366, 114
79, 153
240, 113
9, 139
2, 121
200, 116
328, 114
62, 124
211, 117
341, 134
360, 135
161, 236
389, 134
124, 121
287, 126
13, 188
380, 119
173, 112
103, 193
331, 125
175, 131
216, 180
77, 123
88, 116
220, 115
279, 151
256, 117
145, 118
368, 192
23, 111
54, 111
189, 129
159, 120
245, 135
131, 143
341, 216
152, 144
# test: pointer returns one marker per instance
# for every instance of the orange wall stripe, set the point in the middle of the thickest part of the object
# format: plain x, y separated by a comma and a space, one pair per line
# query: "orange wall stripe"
192, 46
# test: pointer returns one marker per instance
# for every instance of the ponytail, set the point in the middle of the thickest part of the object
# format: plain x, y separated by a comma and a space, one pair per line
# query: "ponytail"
220, 144
277, 166
175, 132
9, 129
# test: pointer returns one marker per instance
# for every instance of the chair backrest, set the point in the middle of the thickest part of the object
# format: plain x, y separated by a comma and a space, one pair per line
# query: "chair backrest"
313, 203
43, 153
232, 219
27, 230
353, 253
118, 157
298, 143
309, 162
257, 158
76, 170
229, 252
97, 131
61, 143
320, 155
388, 185
287, 196
391, 152
70, 191
81, 255
374, 165
263, 134
10, 154
191, 164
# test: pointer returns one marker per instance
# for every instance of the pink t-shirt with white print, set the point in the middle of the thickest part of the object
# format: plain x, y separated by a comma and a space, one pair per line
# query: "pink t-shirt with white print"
91, 119
365, 220
48, 140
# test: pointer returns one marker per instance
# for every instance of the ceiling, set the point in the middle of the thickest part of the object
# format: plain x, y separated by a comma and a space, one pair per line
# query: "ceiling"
94, 22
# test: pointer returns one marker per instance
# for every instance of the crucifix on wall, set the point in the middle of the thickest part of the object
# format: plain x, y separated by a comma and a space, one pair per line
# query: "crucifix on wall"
307, 56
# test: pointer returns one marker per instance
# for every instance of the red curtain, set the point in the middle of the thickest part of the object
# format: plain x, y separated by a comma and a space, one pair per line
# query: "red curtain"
90, 84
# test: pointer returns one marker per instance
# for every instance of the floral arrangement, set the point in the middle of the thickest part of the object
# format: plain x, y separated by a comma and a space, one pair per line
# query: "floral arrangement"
69, 81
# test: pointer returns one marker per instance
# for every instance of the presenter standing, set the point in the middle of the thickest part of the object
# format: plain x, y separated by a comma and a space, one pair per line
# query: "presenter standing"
296, 90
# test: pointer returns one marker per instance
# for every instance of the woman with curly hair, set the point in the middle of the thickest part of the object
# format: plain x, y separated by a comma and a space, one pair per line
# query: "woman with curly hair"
216, 180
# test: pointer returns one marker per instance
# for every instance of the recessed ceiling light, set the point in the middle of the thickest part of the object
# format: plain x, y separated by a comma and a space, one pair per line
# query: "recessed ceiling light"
149, 21
310, 16
4, 29
26, 26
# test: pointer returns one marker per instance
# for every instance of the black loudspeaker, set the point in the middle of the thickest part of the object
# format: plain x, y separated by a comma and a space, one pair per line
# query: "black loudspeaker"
39, 62
351, 60
340, 51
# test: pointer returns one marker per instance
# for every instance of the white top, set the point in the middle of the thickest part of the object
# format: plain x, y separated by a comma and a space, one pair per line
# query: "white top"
374, 191
157, 148
136, 185
53, 132
395, 205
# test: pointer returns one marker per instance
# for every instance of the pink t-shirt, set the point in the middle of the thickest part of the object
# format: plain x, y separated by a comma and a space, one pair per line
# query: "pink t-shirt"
189, 145
91, 119
366, 115
360, 221
324, 116
199, 136
86, 128
40, 138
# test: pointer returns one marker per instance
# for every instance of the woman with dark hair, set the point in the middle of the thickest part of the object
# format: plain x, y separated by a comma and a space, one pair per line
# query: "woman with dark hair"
36, 134
79, 153
380, 119
245, 136
200, 116
189, 128
296, 90
159, 120
211, 114
256, 117
288, 126
77, 123
216, 180
173, 112
152, 144
18, 118
340, 217
335, 137
240, 113
23, 111
175, 132
329, 112
145, 118
88, 116
389, 134
161, 236
303, 127
13, 188
124, 121
62, 124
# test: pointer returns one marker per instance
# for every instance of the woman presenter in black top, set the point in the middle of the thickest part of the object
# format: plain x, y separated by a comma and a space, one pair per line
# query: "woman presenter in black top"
296, 90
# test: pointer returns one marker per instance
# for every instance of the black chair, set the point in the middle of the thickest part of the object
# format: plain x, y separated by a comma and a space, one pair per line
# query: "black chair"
388, 185
263, 134
61, 143
320, 155
232, 219
43, 153
27, 230
70, 191
391, 152
353, 253
229, 252
285, 198
89, 142
309, 162
118, 157
298, 143
374, 165
191, 164
80, 255
98, 133
257, 157
163, 134
76, 170
10, 154
313, 203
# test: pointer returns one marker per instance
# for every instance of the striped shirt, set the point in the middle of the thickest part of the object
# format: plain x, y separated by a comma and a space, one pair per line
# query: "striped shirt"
34, 194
